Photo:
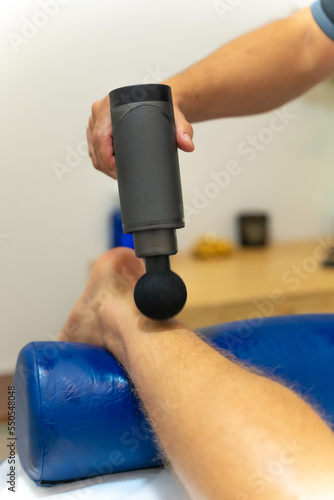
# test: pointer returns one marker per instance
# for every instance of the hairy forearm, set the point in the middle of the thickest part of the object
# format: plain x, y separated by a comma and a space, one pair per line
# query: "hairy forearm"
222, 427
256, 72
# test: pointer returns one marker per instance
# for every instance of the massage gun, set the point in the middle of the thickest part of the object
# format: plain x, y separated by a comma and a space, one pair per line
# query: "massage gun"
149, 185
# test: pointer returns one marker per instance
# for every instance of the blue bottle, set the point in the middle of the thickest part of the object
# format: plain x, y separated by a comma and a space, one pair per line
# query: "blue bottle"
116, 236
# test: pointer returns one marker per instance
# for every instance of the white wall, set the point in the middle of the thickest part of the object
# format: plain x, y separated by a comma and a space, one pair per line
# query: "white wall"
49, 230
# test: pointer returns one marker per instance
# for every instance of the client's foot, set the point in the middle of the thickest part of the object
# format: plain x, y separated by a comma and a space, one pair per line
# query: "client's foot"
106, 308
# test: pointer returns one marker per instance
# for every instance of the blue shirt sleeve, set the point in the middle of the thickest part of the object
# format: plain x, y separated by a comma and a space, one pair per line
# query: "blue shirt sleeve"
323, 13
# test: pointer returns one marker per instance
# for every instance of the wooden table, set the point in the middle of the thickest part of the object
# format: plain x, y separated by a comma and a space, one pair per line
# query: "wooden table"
282, 279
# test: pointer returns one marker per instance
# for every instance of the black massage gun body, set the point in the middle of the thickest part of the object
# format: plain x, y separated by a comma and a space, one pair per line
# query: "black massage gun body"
149, 186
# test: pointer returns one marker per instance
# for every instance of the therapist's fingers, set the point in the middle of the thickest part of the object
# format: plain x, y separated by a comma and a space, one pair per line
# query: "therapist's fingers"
184, 131
99, 136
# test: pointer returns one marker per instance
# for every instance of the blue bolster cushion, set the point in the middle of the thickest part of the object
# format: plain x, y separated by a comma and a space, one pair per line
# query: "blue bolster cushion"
78, 417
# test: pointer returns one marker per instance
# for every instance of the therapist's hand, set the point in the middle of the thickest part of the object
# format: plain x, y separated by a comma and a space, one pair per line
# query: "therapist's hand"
99, 136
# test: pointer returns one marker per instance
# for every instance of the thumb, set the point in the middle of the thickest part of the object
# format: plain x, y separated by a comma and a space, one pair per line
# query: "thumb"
184, 131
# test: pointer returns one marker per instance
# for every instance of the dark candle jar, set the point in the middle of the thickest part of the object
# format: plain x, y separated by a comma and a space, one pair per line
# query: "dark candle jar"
253, 229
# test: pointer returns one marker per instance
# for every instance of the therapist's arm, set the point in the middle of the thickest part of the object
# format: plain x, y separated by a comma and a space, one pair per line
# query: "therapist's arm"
252, 74
229, 434
257, 72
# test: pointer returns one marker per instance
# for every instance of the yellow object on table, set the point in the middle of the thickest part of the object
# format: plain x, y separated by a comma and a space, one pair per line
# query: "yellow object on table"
211, 246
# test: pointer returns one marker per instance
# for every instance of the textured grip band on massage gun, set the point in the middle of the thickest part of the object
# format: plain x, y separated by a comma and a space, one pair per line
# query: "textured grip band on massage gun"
150, 190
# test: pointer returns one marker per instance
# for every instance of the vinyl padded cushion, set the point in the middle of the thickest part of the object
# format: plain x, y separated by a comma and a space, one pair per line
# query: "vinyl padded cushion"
78, 417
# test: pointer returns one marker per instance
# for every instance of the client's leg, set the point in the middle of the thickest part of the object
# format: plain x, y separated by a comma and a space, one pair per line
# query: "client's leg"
229, 433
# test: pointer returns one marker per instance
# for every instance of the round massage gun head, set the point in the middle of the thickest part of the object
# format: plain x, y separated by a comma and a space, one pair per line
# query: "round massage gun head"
160, 294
